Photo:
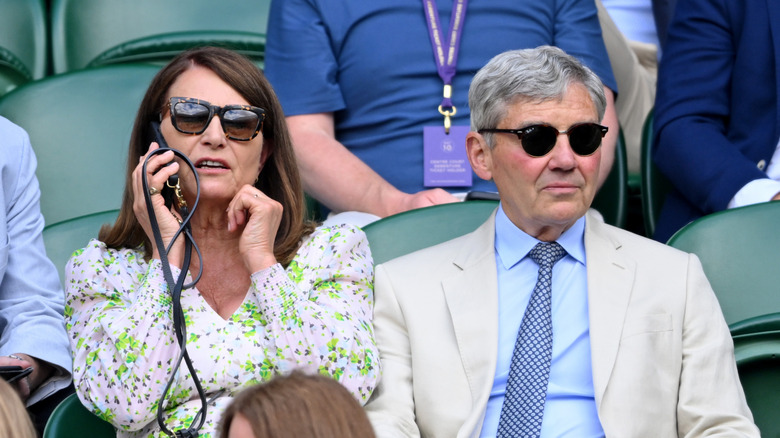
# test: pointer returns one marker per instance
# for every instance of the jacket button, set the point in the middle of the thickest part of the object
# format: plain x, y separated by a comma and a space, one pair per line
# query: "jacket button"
761, 165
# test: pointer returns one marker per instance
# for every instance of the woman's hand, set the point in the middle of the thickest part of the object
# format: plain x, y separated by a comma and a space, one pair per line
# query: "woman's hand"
259, 216
157, 175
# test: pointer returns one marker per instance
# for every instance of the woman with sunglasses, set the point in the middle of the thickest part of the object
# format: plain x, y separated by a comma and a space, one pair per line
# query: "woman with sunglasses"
274, 293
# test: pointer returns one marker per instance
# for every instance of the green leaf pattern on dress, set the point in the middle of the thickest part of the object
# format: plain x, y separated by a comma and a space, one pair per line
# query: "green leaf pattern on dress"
315, 316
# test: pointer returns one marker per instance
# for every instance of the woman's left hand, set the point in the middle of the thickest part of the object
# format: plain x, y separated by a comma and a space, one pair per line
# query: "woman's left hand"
260, 217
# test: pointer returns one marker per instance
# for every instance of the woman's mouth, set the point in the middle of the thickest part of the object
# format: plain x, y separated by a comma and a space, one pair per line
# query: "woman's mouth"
210, 164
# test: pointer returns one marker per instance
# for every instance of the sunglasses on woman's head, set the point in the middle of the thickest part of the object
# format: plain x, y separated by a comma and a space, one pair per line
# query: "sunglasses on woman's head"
539, 140
239, 122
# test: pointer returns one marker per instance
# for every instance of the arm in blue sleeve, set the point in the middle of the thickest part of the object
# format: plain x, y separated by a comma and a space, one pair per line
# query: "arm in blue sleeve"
300, 61
578, 33
31, 298
693, 108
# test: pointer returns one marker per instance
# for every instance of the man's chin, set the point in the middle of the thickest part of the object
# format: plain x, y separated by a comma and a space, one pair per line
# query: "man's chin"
566, 212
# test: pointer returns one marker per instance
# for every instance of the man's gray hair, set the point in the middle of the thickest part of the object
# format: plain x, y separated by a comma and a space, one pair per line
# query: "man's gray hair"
529, 75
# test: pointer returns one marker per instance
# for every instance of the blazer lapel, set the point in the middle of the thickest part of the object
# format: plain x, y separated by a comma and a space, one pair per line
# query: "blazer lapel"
472, 300
610, 282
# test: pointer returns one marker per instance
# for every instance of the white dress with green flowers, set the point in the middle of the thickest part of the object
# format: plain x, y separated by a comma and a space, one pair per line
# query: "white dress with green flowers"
315, 316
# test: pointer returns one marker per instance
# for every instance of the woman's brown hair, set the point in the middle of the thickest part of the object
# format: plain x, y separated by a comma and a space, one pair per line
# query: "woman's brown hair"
279, 178
299, 405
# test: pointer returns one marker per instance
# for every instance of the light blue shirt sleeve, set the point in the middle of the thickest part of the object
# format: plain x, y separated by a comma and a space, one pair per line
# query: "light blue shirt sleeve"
570, 408
31, 298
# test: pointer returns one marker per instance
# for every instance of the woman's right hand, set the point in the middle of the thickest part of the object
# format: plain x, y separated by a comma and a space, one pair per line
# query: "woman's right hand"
157, 175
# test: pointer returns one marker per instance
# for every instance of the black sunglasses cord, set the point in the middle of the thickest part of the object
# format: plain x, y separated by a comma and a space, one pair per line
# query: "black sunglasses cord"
176, 288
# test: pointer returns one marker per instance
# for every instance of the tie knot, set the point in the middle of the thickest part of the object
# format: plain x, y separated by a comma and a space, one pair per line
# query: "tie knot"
547, 253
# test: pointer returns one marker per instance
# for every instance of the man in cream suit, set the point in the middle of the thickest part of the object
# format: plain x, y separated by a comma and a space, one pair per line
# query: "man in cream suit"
639, 347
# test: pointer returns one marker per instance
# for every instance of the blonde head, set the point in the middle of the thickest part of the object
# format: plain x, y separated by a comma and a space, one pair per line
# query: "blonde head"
14, 420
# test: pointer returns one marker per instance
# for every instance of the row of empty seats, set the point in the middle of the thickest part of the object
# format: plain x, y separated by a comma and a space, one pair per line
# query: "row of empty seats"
40, 39
23, 42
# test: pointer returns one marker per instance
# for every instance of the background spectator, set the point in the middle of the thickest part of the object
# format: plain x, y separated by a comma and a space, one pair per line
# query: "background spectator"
297, 405
717, 121
358, 82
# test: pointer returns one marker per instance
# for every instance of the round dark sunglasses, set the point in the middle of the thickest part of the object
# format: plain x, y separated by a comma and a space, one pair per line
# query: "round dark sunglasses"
539, 140
239, 122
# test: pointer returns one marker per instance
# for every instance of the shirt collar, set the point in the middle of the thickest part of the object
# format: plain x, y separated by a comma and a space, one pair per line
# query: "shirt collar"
512, 243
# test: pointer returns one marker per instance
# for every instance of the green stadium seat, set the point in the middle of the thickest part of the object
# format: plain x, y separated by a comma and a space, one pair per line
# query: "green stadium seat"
411, 230
612, 199
739, 250
655, 185
70, 419
62, 238
757, 350
23, 43
91, 33
79, 125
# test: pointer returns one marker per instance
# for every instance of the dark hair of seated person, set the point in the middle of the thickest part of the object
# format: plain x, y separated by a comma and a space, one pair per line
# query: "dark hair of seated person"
279, 179
298, 405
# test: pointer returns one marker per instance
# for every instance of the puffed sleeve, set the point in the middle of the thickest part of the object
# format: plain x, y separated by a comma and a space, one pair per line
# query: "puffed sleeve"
319, 311
118, 315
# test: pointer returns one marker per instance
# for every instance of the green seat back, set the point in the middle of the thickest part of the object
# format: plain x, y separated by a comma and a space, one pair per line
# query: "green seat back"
79, 125
612, 199
739, 250
62, 238
409, 231
655, 186
90, 33
23, 42
70, 419
757, 350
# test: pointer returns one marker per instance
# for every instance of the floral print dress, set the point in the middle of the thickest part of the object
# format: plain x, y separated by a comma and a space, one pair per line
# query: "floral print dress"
315, 316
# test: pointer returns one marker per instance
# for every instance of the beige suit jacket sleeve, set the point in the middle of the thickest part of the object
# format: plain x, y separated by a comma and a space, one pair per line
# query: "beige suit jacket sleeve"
711, 400
391, 408
663, 358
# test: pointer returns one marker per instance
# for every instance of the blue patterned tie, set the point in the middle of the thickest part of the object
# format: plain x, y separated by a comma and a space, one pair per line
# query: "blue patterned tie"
526, 386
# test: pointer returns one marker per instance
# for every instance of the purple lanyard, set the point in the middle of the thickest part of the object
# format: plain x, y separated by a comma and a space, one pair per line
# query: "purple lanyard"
446, 52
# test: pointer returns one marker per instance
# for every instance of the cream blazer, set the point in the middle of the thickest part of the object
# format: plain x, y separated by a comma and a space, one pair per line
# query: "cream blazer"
662, 356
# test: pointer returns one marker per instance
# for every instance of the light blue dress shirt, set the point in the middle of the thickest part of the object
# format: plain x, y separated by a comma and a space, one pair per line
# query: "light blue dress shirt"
570, 408
31, 298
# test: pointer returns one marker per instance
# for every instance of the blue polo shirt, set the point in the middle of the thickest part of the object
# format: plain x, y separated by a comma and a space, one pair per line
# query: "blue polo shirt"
372, 65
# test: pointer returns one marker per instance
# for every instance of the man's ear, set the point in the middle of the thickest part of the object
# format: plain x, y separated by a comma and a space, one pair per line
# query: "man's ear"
480, 155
